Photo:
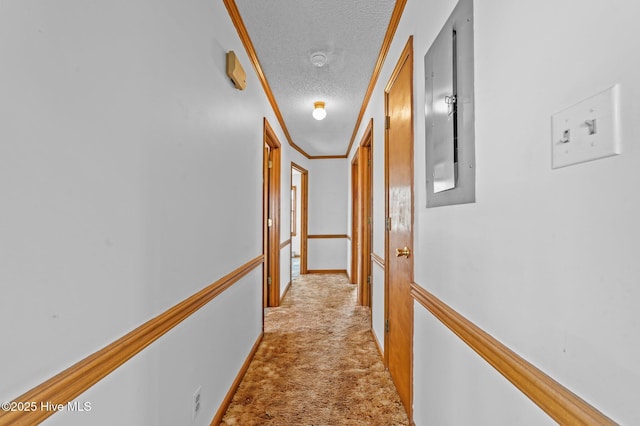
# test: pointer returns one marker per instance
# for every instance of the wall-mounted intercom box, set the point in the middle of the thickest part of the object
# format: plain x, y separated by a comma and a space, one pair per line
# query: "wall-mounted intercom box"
235, 71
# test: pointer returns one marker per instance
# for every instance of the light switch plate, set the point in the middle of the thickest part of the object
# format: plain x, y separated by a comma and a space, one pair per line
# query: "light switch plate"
587, 131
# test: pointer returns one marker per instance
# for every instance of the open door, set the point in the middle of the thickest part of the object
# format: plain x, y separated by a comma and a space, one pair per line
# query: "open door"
361, 233
271, 217
302, 194
399, 226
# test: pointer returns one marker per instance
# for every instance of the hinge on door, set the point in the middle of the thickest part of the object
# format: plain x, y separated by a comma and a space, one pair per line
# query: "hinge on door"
387, 122
369, 220
270, 165
369, 279
269, 222
387, 222
269, 281
386, 325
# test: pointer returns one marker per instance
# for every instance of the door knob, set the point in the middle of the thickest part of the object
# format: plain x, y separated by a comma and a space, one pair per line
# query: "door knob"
403, 252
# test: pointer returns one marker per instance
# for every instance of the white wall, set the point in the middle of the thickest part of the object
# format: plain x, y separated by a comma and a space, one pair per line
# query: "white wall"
545, 260
285, 268
328, 199
459, 372
285, 215
327, 254
119, 131
377, 303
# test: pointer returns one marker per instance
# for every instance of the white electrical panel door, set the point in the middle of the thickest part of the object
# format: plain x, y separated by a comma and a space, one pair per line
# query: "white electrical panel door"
449, 112
587, 131
440, 110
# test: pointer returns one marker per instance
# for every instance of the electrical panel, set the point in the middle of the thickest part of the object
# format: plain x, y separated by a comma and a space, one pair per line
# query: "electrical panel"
449, 111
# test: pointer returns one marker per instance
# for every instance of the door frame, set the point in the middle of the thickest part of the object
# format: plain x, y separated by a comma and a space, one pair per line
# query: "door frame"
303, 195
361, 216
271, 203
366, 209
405, 57
355, 220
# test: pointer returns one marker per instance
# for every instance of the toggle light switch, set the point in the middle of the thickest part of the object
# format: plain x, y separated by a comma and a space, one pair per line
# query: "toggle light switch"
587, 131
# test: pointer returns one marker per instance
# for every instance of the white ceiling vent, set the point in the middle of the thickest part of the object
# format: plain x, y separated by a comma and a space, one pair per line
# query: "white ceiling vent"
318, 59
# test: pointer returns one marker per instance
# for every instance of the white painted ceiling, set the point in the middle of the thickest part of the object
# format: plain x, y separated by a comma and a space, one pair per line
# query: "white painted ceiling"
285, 33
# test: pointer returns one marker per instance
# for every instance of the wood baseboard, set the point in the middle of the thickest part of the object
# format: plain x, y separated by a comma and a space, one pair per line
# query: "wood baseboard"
560, 403
234, 386
327, 271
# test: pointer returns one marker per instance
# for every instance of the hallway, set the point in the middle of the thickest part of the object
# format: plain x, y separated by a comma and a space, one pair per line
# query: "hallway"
137, 193
317, 363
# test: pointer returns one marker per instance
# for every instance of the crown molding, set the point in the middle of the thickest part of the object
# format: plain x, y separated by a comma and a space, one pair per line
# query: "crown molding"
382, 56
238, 23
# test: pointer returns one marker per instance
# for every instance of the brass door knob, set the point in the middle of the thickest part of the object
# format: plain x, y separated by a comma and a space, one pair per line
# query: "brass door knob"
403, 252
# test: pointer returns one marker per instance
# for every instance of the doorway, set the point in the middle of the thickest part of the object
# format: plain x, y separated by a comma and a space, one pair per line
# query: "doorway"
361, 233
271, 217
299, 219
355, 220
399, 226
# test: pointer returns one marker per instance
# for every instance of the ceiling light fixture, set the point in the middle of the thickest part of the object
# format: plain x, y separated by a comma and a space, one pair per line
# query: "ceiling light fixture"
318, 59
319, 112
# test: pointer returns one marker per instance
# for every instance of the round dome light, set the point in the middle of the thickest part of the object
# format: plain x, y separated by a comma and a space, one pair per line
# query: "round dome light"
319, 112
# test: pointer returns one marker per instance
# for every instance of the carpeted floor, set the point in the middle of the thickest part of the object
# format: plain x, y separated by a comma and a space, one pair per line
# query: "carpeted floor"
317, 364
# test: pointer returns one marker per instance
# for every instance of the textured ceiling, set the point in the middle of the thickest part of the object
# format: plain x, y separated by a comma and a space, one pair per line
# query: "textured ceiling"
286, 32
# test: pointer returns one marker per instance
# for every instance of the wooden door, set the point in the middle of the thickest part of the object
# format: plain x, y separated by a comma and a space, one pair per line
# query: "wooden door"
265, 218
361, 231
271, 217
399, 241
366, 199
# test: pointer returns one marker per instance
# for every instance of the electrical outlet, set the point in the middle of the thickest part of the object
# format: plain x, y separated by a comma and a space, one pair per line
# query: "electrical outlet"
196, 402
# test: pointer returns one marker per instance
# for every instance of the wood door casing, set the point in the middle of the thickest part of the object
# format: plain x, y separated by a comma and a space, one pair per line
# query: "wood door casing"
366, 200
271, 208
265, 230
355, 222
361, 206
304, 215
399, 234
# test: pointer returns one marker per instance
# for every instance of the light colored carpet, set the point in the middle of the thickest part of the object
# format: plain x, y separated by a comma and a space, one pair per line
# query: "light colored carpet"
317, 364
